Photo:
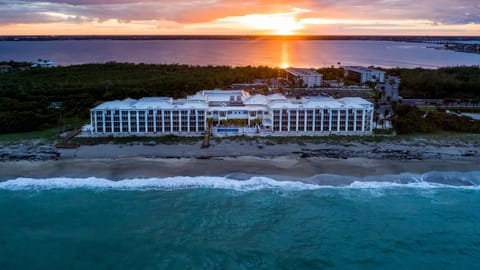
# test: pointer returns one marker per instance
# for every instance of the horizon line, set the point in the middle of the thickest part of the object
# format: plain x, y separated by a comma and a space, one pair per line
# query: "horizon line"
238, 36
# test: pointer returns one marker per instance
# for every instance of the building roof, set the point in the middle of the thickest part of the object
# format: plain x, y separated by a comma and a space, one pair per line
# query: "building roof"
153, 102
361, 69
223, 94
44, 63
251, 103
299, 72
356, 102
117, 104
322, 102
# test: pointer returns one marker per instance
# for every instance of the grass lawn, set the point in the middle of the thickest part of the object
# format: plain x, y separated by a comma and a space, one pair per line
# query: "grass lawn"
46, 135
428, 109
442, 137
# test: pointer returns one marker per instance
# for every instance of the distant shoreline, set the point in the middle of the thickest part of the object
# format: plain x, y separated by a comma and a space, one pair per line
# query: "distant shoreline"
239, 37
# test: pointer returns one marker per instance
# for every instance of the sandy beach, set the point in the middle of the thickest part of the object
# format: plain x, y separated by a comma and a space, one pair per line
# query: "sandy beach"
115, 161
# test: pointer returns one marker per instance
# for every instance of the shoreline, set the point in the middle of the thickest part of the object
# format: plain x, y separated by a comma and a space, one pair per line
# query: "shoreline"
282, 167
265, 148
242, 158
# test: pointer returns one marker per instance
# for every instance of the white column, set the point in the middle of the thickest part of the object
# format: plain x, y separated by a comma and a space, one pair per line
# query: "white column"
196, 121
163, 121
179, 121
146, 121
355, 120
363, 120
171, 121
120, 115
129, 122
296, 119
330, 120
305, 121
280, 123
346, 120
103, 121
138, 121
188, 120
111, 120
314, 119
288, 126
155, 121
95, 119
323, 118
338, 120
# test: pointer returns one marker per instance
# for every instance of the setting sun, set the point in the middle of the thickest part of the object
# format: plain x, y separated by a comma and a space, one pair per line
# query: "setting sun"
275, 24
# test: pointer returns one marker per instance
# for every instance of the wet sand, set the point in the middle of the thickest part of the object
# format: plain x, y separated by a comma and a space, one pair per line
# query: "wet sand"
287, 166
133, 160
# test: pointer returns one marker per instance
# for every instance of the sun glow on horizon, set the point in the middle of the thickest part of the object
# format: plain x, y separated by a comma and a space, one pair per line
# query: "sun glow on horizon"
281, 20
275, 24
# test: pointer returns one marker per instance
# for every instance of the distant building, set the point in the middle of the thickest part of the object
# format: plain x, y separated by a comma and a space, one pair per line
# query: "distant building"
248, 86
333, 83
389, 89
304, 77
364, 74
5, 68
233, 112
55, 105
43, 64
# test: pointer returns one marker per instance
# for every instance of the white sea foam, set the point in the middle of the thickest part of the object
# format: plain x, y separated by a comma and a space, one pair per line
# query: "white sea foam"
172, 183
467, 180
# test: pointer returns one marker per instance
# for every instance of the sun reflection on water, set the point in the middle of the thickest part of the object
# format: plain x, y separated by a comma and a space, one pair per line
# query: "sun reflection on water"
284, 57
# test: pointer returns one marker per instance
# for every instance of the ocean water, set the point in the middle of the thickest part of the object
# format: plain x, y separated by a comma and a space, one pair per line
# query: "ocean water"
282, 53
407, 221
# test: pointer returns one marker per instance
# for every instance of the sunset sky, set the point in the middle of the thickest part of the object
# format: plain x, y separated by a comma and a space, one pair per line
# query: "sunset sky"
277, 17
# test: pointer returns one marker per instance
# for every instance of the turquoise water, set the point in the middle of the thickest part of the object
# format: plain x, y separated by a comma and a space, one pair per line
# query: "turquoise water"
217, 223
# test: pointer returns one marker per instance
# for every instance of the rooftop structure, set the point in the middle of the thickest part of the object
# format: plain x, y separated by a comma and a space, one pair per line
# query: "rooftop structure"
364, 74
233, 112
44, 64
389, 89
304, 77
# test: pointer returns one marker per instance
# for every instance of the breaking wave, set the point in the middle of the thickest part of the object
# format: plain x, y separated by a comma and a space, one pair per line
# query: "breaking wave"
469, 180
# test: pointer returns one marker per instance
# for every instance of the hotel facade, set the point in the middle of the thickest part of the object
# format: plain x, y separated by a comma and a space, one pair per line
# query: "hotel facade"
233, 112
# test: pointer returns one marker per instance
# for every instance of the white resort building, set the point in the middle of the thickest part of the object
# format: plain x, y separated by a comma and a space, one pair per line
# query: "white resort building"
304, 77
233, 112
364, 74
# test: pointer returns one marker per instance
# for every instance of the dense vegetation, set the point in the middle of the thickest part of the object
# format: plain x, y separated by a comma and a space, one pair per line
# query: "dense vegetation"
26, 97
451, 82
410, 119
442, 83
15, 64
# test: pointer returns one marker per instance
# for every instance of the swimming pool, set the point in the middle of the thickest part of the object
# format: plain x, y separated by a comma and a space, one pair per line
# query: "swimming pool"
225, 130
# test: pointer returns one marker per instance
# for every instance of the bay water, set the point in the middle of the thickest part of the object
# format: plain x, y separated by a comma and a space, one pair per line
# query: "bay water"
237, 52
